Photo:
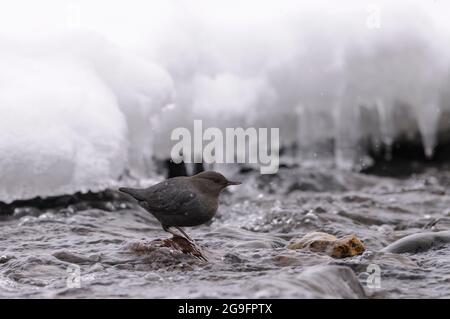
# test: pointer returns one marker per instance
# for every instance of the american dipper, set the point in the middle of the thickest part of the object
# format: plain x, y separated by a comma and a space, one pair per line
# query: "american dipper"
182, 201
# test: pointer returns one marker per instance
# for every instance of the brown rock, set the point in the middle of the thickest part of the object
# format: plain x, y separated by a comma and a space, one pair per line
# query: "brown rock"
346, 246
315, 241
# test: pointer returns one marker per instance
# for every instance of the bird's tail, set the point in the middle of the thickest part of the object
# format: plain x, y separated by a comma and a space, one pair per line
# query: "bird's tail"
136, 193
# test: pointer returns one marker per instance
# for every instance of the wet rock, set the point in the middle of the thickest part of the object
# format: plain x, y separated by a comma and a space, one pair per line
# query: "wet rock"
418, 242
329, 281
346, 246
334, 281
176, 243
316, 241
5, 258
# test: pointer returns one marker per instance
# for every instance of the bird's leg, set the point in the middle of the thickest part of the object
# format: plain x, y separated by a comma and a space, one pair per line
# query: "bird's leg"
169, 230
185, 235
193, 249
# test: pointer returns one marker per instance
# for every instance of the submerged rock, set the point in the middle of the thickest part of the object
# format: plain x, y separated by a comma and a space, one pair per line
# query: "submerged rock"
332, 281
418, 242
323, 281
346, 246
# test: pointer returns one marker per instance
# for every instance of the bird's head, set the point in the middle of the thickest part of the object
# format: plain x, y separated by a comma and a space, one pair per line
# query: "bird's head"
212, 181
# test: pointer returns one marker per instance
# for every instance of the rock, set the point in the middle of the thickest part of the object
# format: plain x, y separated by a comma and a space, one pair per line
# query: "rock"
177, 243
315, 241
418, 242
5, 258
346, 246
324, 281
332, 281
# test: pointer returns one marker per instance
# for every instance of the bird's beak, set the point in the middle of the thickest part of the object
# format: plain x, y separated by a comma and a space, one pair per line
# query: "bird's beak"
233, 183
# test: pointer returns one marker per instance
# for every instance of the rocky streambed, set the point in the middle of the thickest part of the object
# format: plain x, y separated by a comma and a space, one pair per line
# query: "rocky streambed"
97, 251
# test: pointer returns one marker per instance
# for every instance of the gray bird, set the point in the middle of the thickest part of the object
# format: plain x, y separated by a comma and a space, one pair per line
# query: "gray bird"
182, 201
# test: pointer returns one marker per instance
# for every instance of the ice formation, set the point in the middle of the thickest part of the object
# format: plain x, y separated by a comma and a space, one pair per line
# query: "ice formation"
76, 115
84, 106
337, 82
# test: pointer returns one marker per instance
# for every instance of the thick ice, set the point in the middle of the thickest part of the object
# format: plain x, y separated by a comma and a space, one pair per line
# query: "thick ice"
75, 120
336, 81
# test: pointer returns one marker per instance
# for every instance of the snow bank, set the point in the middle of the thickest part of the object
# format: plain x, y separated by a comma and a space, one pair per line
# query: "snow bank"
75, 115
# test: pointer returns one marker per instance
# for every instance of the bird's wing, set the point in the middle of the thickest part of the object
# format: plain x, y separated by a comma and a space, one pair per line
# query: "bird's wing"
162, 201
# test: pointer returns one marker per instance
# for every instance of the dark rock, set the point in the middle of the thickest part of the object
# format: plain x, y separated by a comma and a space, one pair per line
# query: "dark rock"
418, 242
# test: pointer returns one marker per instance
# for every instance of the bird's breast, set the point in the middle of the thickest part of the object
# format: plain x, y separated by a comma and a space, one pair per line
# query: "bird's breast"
207, 206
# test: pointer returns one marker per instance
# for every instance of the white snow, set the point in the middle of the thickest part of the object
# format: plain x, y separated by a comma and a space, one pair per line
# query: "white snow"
75, 120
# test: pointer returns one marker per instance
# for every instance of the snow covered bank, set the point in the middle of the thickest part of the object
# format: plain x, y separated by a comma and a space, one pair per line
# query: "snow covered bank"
75, 114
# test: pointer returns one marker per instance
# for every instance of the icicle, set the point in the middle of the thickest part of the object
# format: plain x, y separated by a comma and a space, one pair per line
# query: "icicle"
386, 127
427, 118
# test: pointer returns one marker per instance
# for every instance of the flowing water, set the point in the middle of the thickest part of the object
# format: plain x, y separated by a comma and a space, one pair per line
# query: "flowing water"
84, 252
